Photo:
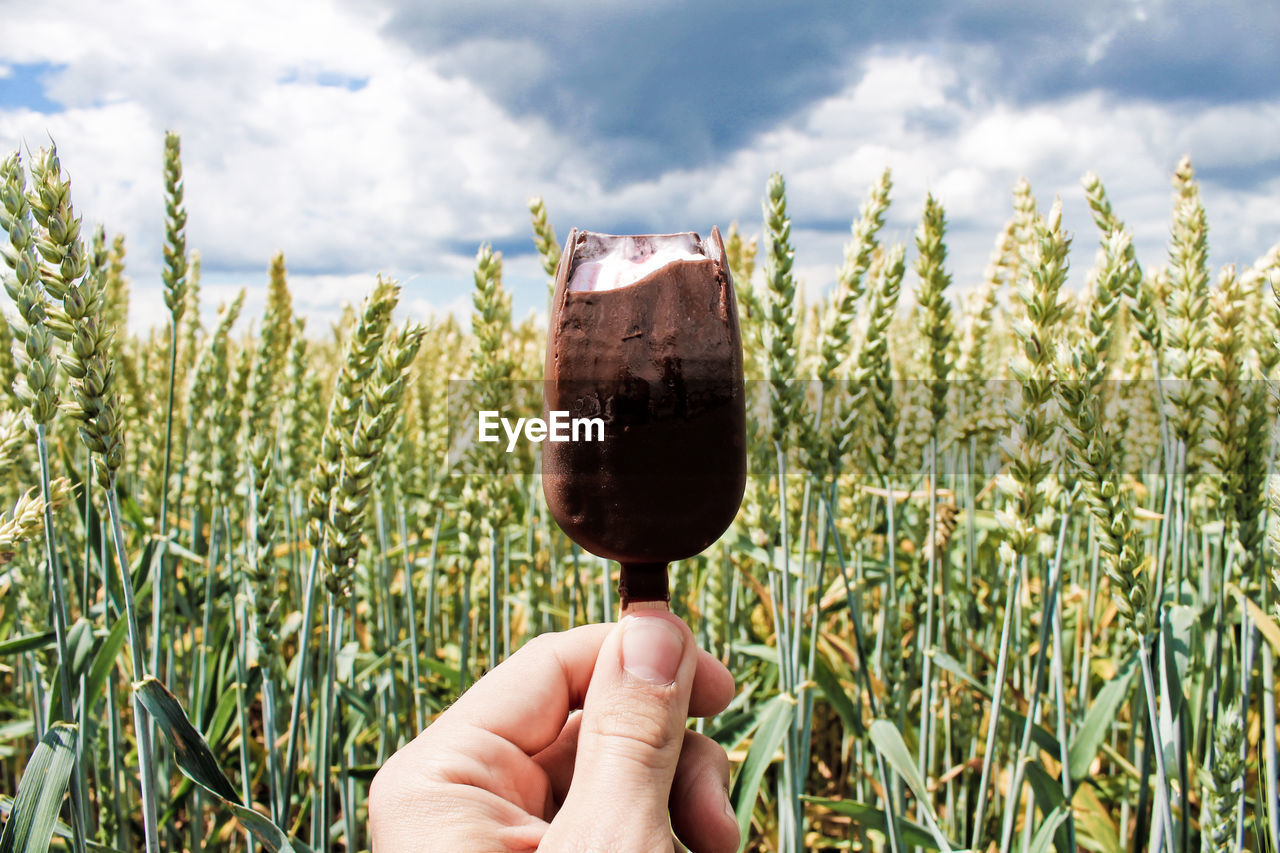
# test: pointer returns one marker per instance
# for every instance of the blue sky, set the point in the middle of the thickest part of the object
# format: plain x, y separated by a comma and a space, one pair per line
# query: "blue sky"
397, 136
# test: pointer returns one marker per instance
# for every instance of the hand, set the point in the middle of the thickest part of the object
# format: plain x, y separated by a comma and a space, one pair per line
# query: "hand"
512, 766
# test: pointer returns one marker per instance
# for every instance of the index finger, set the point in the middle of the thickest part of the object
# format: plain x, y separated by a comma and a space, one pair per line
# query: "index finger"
527, 698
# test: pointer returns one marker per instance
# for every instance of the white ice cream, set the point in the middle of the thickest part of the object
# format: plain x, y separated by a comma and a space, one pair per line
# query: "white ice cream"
628, 260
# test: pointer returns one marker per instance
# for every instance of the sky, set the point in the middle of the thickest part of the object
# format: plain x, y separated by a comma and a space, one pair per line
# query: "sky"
396, 136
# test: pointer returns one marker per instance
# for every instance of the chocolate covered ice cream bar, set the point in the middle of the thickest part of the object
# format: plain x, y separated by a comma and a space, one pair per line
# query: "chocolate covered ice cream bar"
644, 335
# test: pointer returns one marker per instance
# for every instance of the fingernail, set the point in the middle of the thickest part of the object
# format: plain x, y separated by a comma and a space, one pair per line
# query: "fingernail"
651, 648
728, 807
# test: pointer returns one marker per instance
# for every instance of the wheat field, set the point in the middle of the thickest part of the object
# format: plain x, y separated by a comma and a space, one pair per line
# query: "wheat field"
1001, 580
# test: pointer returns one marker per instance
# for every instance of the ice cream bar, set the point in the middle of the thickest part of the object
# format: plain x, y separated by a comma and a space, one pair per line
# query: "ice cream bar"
644, 335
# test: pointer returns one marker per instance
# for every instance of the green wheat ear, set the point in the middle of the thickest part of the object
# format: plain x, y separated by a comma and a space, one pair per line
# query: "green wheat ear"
37, 386
300, 417
59, 245
934, 320
264, 392
1186, 328
116, 310
491, 370
1040, 293
22, 523
873, 375
335, 516
1141, 302
977, 341
362, 450
1222, 782
740, 254
78, 283
544, 238
851, 284
212, 371
1025, 239
1227, 345
780, 338
825, 436
175, 230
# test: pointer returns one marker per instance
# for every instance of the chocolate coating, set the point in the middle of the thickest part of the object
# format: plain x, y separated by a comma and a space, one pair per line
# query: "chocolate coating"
660, 361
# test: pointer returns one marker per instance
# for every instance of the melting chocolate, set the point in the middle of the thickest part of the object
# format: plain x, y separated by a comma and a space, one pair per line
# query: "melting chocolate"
660, 361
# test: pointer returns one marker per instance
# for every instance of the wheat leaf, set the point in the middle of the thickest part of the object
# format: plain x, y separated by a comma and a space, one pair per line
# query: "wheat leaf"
775, 716
44, 783
197, 763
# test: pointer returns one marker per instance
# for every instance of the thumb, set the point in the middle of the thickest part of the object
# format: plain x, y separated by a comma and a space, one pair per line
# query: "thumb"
633, 725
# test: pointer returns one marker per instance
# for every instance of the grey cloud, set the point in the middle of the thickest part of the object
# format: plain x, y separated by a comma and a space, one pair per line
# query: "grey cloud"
510, 246
645, 88
1211, 51
1239, 176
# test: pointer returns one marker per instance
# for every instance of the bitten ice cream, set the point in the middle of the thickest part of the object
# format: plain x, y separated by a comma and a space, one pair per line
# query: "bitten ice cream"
626, 260
644, 335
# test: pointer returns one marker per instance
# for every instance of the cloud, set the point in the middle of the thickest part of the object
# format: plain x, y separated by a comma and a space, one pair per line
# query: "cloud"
332, 145
397, 141
640, 87
645, 87
969, 155
1165, 52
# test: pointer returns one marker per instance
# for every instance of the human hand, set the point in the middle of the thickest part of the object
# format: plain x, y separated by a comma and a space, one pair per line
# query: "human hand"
510, 766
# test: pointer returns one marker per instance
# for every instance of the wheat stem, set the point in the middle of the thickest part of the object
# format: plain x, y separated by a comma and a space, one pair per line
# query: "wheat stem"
141, 719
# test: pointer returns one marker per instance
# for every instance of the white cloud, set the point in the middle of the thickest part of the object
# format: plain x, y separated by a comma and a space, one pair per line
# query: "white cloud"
383, 174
